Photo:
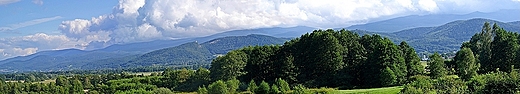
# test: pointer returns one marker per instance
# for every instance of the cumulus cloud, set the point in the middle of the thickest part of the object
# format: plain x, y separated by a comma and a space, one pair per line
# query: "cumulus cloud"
140, 20
145, 20
5, 2
27, 23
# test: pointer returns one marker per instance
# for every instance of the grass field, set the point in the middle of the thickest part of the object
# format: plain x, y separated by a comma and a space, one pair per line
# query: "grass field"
384, 90
145, 73
46, 81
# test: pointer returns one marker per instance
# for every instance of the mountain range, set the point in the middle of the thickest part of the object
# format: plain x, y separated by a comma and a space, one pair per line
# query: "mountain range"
413, 21
189, 53
446, 37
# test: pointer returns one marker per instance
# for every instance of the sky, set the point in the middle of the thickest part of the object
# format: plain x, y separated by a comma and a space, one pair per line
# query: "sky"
30, 26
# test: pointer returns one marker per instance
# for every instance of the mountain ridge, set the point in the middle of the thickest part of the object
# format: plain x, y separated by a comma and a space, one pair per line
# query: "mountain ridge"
188, 53
414, 21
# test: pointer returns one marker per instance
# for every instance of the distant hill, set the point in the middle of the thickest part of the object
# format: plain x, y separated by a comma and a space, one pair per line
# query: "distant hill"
184, 54
515, 23
447, 37
413, 21
112, 56
195, 53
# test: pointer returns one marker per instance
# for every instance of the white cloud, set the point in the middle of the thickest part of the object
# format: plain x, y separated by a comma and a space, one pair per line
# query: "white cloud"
140, 20
428, 5
38, 2
28, 23
5, 2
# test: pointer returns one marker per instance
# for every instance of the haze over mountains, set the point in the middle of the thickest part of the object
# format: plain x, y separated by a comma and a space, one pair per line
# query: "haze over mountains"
442, 35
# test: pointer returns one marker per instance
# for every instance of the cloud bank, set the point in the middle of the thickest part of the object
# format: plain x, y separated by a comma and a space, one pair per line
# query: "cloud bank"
146, 20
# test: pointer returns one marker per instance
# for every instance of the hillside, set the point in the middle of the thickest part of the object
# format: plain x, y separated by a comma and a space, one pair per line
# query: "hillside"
194, 53
186, 54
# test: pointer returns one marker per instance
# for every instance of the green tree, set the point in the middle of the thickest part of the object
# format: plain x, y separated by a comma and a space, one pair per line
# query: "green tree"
261, 63
162, 91
275, 89
437, 66
393, 58
300, 89
283, 85
62, 81
504, 48
87, 84
228, 67
412, 60
202, 90
199, 78
480, 44
354, 56
263, 88
232, 85
77, 86
450, 85
421, 85
381, 53
93, 92
218, 87
319, 57
388, 77
252, 86
174, 78
465, 64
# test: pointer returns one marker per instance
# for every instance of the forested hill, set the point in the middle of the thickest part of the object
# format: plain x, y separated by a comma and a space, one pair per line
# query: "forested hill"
194, 53
185, 54
447, 37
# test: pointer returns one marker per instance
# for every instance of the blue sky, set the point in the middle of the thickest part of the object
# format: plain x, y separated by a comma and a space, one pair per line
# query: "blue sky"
30, 26
52, 12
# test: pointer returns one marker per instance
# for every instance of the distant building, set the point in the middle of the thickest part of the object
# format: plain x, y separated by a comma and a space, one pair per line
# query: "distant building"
424, 58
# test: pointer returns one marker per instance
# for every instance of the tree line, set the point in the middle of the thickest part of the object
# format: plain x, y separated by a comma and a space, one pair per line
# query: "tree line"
323, 58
